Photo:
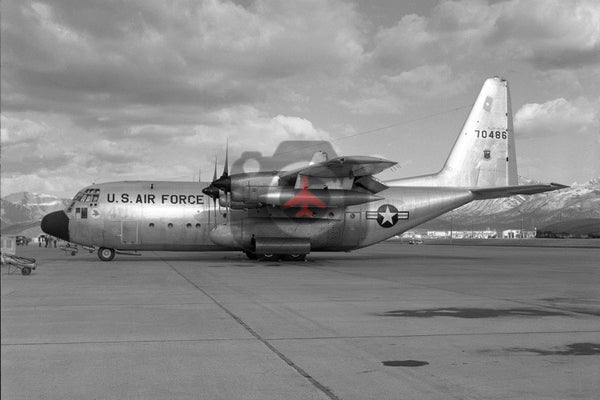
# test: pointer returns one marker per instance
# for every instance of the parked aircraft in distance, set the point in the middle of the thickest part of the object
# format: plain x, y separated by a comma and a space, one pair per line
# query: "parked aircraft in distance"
328, 204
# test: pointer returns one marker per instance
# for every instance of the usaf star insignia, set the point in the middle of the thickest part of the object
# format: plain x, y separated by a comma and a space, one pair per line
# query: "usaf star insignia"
387, 215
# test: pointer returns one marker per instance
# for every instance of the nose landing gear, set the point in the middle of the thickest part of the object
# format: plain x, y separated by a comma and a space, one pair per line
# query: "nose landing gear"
106, 254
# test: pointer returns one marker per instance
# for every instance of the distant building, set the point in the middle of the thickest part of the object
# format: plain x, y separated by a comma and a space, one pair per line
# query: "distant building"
454, 234
517, 234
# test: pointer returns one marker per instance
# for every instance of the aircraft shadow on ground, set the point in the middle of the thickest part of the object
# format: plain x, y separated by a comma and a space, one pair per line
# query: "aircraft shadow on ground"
312, 259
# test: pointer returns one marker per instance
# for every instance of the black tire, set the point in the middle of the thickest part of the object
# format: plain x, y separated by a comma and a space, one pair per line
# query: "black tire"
251, 255
106, 254
269, 257
26, 270
294, 257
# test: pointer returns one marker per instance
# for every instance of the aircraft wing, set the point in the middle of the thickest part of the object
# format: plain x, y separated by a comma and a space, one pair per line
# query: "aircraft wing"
341, 167
506, 191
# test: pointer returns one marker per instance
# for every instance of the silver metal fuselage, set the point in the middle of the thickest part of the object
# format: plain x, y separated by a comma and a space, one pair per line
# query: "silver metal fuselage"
176, 216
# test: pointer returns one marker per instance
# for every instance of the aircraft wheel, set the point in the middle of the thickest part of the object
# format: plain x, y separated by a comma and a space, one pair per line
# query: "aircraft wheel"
25, 270
106, 254
251, 255
269, 257
294, 257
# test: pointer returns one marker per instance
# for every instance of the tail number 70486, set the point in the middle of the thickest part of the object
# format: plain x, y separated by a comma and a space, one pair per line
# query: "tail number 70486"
484, 134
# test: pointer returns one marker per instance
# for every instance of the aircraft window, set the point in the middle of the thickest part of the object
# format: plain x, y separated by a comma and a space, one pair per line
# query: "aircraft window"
78, 196
151, 225
85, 198
188, 226
95, 197
197, 226
170, 225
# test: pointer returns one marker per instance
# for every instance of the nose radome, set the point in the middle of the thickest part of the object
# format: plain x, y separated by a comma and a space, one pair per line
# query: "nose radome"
56, 224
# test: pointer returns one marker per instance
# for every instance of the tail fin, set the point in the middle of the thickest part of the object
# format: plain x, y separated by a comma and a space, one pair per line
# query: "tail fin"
484, 152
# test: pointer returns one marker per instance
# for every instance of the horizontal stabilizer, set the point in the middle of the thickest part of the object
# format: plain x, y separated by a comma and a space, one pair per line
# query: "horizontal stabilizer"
506, 191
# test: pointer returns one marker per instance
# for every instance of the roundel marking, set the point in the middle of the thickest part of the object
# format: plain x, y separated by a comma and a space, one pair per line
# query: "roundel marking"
387, 216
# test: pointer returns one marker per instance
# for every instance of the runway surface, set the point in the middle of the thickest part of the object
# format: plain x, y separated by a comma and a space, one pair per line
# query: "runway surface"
388, 322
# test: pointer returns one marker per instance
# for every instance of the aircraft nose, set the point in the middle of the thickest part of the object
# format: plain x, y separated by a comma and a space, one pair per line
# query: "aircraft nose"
56, 224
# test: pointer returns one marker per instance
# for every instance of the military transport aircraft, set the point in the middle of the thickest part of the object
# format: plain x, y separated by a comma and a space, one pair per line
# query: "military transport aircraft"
327, 204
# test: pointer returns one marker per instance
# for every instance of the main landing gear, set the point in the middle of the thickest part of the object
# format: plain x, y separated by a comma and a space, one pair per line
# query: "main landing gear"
275, 257
106, 254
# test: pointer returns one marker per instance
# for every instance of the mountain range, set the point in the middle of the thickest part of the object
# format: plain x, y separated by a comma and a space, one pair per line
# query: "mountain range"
577, 202
25, 208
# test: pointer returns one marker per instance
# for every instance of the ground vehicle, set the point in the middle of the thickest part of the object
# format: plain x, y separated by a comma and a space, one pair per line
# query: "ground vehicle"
22, 240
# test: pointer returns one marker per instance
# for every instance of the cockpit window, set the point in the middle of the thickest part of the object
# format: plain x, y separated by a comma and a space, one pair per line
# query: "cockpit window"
85, 196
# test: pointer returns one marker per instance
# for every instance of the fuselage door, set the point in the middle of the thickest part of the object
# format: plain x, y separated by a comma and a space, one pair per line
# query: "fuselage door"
353, 232
129, 232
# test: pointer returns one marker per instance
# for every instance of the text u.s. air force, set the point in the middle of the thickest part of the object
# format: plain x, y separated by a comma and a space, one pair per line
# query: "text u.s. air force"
150, 198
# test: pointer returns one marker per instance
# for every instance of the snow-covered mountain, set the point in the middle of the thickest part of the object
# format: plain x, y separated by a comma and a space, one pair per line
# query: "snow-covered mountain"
24, 207
580, 201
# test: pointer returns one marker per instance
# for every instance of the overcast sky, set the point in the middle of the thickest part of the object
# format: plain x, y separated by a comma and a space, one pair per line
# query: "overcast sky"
97, 91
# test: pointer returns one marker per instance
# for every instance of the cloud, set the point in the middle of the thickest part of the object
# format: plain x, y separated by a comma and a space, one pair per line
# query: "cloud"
15, 131
559, 137
204, 54
558, 117
428, 81
550, 34
252, 130
27, 146
547, 34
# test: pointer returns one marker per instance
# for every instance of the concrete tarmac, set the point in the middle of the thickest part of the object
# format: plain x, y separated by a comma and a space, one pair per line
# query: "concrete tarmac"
391, 321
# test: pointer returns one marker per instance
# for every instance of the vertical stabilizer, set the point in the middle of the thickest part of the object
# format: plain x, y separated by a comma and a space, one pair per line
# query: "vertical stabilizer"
484, 152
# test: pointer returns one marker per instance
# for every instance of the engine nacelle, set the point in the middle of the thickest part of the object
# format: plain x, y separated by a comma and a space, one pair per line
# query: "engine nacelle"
331, 198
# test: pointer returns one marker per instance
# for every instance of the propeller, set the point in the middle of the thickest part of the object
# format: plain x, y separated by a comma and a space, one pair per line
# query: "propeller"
212, 190
224, 181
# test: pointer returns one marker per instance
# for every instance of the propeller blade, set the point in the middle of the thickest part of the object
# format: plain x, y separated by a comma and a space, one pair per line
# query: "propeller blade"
226, 168
215, 210
212, 190
224, 182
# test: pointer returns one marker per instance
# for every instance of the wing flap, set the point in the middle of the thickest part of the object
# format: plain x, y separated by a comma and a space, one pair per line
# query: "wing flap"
506, 191
371, 184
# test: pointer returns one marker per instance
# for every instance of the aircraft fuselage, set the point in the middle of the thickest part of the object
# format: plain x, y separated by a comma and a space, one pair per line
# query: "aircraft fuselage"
176, 216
